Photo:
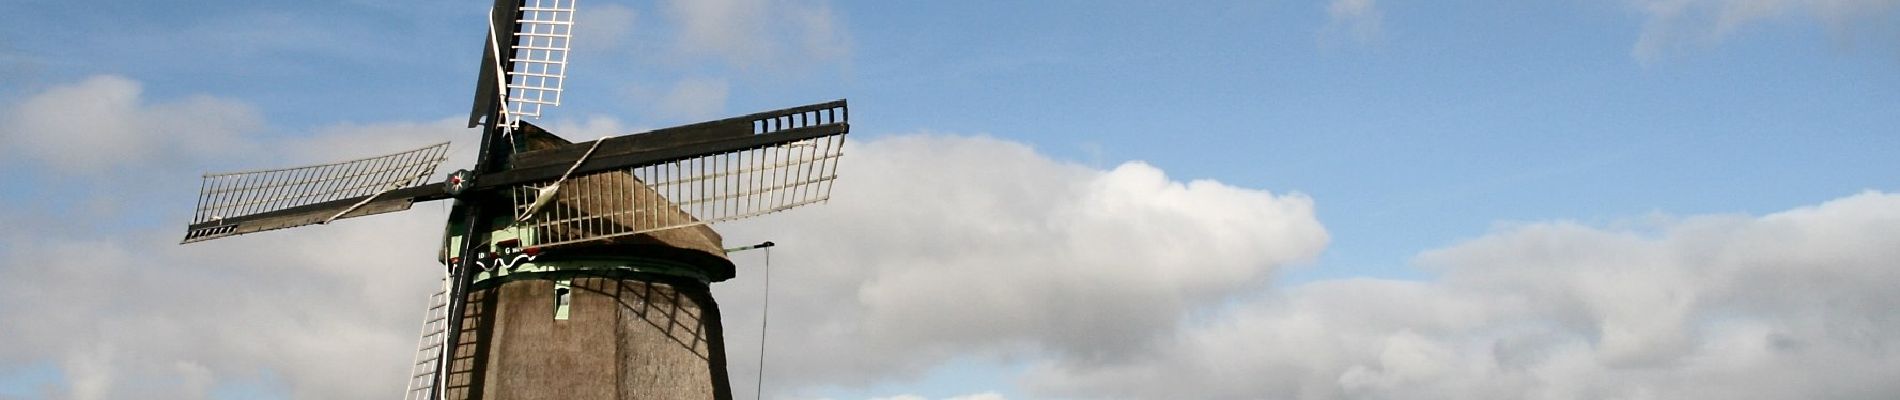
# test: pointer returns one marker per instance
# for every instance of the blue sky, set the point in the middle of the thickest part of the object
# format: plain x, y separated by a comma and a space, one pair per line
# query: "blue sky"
1411, 127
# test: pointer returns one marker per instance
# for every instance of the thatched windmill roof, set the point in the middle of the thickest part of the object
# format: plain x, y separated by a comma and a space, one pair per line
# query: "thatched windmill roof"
698, 245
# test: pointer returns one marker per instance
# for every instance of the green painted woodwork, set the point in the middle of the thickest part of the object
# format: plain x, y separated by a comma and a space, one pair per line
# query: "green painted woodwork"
563, 297
622, 267
565, 268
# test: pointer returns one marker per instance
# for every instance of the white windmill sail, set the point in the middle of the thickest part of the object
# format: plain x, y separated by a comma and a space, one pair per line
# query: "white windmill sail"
244, 202
526, 64
710, 187
429, 350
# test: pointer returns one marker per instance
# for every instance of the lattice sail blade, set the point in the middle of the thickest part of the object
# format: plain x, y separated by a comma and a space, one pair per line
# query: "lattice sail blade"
527, 54
423, 374
244, 202
720, 184
543, 36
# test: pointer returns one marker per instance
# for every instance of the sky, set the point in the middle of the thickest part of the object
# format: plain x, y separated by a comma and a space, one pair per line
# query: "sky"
1343, 199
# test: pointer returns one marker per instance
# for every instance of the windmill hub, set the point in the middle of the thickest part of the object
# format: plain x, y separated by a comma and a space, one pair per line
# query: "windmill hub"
573, 270
459, 182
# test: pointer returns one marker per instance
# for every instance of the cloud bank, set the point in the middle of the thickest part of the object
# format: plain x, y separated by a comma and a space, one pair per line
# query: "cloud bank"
102, 124
941, 249
1113, 258
1795, 304
938, 247
124, 312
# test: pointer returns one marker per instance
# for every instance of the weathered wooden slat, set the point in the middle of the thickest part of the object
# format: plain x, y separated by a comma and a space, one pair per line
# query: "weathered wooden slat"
548, 169
729, 128
291, 218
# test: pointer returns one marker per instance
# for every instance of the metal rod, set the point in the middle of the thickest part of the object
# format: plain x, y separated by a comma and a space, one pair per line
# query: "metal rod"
761, 245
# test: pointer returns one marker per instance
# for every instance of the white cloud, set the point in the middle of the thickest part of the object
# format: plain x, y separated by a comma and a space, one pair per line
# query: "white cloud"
103, 123
594, 127
349, 141
751, 33
937, 247
694, 52
604, 27
1359, 19
125, 147
694, 99
125, 312
1672, 25
722, 26
1704, 307
134, 315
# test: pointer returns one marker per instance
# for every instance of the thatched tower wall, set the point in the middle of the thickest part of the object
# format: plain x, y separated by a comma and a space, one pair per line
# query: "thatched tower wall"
623, 339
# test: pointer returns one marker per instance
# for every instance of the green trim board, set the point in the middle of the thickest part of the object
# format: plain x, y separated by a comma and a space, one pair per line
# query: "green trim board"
628, 267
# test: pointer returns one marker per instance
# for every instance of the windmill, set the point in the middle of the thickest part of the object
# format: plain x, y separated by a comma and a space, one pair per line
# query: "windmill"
572, 270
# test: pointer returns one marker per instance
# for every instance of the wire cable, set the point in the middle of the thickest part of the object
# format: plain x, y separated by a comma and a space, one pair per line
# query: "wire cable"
765, 314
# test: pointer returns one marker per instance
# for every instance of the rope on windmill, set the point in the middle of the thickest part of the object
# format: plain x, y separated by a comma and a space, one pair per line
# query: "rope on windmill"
547, 193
